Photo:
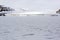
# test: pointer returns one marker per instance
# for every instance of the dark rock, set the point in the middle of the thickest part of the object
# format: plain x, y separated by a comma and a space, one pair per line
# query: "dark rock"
58, 11
2, 14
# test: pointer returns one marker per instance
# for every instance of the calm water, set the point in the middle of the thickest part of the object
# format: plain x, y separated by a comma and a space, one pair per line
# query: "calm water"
30, 28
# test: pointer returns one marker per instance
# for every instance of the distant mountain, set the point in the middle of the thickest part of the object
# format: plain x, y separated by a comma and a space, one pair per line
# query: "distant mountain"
23, 10
5, 10
2, 8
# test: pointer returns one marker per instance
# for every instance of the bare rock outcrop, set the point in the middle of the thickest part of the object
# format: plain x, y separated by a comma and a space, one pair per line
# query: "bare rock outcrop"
58, 11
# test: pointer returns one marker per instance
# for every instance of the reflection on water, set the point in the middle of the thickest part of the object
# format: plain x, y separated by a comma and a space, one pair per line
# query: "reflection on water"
30, 28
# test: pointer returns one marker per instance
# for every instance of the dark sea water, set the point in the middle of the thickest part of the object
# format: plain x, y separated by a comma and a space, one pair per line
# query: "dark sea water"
30, 27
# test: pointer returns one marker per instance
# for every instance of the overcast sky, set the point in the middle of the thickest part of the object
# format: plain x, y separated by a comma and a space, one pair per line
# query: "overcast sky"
32, 4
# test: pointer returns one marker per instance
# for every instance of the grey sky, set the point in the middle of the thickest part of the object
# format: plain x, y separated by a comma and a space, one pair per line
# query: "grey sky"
32, 4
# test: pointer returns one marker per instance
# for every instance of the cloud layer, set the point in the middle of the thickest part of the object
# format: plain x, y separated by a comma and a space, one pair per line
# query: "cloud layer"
32, 4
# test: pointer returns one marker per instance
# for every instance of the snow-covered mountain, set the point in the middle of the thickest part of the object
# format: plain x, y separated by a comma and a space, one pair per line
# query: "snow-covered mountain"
27, 12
